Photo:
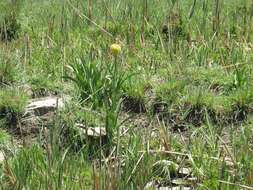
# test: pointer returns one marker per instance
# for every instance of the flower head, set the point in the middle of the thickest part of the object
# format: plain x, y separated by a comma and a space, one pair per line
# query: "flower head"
115, 49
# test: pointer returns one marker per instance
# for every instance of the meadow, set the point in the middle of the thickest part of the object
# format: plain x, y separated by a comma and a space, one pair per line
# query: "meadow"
167, 86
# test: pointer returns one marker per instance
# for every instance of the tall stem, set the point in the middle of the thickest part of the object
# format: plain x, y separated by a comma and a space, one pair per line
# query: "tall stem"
144, 18
89, 11
216, 20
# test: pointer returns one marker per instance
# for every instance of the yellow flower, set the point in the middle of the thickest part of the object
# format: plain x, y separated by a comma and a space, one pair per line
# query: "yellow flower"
115, 49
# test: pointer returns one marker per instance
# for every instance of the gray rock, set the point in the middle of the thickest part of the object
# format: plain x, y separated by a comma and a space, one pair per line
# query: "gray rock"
1, 157
91, 131
41, 106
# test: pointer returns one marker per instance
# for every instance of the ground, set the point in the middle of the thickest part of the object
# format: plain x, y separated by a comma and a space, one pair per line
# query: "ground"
165, 85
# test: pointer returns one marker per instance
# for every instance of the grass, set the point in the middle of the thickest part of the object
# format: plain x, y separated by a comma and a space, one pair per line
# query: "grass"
12, 106
177, 95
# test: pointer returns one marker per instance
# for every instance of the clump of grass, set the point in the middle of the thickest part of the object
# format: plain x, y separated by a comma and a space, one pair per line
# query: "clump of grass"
9, 30
100, 85
89, 79
12, 104
174, 30
41, 86
173, 26
4, 137
134, 98
214, 78
24, 170
7, 71
170, 91
9, 25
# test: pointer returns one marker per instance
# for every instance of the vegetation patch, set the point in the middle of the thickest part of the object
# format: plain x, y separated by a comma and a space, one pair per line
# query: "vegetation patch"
9, 29
157, 92
9, 25
12, 106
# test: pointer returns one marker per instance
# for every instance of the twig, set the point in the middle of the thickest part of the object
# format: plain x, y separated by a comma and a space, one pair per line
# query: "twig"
91, 21
135, 167
167, 152
234, 65
95, 24
229, 153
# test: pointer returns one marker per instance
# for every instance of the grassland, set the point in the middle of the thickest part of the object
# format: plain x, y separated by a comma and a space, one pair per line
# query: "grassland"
176, 101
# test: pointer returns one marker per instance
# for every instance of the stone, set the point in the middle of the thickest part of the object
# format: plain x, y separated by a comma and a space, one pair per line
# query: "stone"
174, 188
184, 171
41, 106
1, 157
91, 131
